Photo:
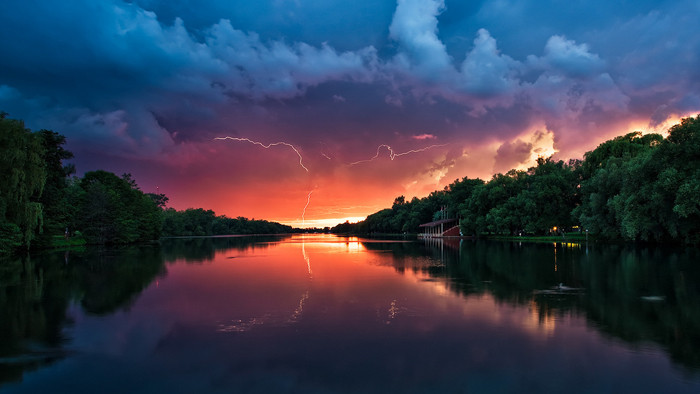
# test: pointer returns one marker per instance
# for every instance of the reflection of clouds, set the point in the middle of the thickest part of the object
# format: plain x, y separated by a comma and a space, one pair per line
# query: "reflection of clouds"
300, 309
241, 325
541, 320
394, 311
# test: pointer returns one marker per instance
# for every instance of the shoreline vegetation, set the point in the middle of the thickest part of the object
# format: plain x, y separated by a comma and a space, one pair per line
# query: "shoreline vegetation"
637, 187
633, 188
43, 205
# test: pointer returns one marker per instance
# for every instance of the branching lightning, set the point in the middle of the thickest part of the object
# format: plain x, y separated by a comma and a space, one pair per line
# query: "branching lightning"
392, 154
303, 212
267, 146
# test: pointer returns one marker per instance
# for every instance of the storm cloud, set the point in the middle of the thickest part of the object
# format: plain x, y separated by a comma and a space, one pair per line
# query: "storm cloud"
153, 82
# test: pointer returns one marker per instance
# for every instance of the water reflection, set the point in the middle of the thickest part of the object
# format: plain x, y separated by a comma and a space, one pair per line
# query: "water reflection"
324, 313
203, 249
638, 294
35, 295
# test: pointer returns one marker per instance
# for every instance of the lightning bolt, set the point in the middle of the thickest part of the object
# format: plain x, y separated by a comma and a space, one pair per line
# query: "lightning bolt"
308, 200
267, 146
393, 155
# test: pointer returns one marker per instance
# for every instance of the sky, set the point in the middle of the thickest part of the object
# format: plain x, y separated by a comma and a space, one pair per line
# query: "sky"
313, 112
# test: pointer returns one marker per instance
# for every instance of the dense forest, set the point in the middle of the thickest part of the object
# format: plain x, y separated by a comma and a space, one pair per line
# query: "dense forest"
636, 187
42, 204
200, 222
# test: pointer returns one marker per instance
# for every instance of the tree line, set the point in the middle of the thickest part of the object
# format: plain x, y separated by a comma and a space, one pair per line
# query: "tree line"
201, 222
41, 200
635, 187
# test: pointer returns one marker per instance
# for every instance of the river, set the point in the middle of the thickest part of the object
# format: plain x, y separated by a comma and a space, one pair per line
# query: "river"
324, 314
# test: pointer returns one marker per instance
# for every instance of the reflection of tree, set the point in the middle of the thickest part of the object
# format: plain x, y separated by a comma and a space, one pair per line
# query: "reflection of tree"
33, 302
639, 295
35, 294
200, 249
109, 280
647, 295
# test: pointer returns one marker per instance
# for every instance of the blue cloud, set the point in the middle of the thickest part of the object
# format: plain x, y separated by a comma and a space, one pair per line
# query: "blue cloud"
147, 75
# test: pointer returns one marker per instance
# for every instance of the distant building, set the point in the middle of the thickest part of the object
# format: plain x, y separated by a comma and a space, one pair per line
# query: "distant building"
440, 228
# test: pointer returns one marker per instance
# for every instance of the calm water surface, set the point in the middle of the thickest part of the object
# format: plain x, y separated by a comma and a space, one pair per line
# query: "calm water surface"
323, 314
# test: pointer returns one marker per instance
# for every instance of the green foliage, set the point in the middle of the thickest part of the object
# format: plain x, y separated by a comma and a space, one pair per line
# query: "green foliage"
40, 203
623, 147
53, 199
532, 202
406, 217
649, 191
634, 187
112, 210
201, 222
10, 238
22, 180
605, 170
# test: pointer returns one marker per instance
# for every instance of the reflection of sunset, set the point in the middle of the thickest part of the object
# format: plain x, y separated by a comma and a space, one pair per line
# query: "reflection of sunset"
245, 311
541, 319
320, 223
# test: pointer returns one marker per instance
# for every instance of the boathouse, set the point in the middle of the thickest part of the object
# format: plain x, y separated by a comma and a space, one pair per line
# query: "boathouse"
440, 228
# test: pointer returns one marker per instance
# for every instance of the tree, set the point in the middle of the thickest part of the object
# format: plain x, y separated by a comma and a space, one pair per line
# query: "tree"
458, 192
643, 187
54, 198
623, 147
22, 180
605, 170
653, 204
552, 194
114, 210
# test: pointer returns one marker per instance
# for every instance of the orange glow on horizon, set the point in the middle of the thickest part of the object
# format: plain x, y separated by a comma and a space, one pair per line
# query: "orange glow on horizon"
335, 193
320, 223
662, 128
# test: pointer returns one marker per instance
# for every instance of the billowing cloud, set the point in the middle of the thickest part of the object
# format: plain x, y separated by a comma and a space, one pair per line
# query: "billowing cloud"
512, 154
415, 28
277, 70
153, 82
567, 57
485, 71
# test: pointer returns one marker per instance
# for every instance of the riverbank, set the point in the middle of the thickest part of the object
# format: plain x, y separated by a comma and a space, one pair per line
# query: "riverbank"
569, 237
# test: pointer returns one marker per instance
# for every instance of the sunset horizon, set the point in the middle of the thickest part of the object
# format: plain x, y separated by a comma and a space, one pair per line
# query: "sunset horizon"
316, 113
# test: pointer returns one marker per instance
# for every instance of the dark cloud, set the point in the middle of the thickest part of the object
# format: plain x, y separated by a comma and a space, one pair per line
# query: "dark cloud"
569, 58
512, 154
153, 78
